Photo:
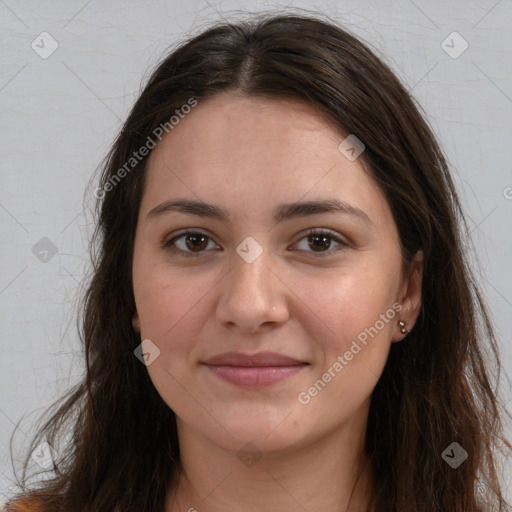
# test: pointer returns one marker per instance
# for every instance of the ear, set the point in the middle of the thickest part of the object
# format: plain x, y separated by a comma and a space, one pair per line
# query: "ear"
410, 297
136, 322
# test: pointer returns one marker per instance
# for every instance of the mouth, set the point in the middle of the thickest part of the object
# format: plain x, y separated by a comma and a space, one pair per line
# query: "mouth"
262, 369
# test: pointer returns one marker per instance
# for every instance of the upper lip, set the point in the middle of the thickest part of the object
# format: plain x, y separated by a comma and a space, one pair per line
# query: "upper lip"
259, 359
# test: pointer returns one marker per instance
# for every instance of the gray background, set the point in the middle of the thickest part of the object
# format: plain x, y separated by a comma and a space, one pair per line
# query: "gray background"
59, 115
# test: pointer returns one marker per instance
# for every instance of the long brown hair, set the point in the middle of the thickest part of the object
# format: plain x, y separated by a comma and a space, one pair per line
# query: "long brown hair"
437, 385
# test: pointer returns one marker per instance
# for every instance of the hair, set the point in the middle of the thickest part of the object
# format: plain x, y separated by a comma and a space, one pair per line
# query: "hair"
437, 385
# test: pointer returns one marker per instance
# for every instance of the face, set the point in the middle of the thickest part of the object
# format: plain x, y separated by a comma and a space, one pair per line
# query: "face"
262, 269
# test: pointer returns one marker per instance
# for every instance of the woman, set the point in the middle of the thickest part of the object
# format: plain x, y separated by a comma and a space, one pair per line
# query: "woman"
281, 315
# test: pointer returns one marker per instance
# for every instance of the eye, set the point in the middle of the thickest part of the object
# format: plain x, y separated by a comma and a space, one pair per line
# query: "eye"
320, 241
193, 243
188, 243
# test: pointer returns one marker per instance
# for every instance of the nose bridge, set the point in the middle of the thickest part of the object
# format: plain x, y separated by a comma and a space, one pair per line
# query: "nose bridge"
250, 279
251, 295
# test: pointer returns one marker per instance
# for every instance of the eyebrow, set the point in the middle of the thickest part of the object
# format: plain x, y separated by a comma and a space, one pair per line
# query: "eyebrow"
283, 212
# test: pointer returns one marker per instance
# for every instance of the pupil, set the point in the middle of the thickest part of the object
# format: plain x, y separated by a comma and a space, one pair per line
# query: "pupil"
201, 244
324, 239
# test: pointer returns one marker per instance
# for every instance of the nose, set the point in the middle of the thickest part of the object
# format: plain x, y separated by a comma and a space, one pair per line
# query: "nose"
253, 298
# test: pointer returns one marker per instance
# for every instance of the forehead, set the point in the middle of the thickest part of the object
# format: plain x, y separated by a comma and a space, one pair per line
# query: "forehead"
249, 152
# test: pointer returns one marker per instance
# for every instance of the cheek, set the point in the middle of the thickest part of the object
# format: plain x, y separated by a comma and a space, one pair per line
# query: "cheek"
353, 326
172, 308
356, 319
169, 302
347, 303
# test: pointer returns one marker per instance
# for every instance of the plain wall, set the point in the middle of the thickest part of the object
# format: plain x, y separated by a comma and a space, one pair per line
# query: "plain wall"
60, 114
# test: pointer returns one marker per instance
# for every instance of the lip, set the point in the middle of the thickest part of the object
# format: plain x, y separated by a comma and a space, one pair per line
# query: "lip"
247, 360
261, 369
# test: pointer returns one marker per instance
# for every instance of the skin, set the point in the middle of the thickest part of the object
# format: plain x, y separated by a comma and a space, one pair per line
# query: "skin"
250, 155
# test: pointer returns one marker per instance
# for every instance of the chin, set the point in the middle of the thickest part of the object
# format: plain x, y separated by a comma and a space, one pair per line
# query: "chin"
259, 442
269, 433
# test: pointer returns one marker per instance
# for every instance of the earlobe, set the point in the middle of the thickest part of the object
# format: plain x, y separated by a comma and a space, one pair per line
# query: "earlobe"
411, 298
136, 322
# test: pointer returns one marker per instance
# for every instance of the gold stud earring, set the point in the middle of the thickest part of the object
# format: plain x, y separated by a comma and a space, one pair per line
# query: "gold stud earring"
403, 330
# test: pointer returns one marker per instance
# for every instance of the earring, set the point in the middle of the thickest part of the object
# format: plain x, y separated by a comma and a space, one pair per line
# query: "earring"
403, 330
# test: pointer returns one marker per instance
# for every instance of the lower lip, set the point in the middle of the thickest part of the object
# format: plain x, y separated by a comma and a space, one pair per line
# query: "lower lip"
255, 376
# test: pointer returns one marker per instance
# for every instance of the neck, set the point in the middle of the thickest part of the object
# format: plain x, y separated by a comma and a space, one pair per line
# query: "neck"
332, 474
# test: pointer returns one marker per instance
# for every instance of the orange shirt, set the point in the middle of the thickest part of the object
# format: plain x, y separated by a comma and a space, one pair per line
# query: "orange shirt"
24, 505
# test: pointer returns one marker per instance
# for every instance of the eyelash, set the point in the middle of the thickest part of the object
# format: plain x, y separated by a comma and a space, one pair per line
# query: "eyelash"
167, 244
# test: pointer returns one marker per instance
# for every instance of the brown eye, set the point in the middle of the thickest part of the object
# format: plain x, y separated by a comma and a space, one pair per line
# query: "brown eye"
189, 243
321, 241
196, 241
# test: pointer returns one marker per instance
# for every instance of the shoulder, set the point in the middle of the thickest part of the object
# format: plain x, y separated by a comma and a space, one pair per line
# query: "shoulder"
23, 505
